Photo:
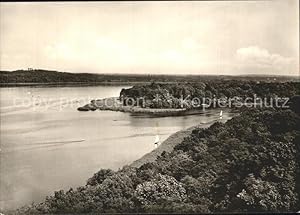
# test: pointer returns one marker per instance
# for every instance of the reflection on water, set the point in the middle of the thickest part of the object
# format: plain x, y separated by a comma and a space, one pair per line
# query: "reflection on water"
48, 145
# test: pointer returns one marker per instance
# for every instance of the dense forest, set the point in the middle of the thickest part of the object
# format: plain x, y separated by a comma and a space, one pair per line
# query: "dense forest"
39, 76
171, 95
250, 163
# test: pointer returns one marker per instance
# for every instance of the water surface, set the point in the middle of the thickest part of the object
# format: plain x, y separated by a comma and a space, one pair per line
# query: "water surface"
47, 145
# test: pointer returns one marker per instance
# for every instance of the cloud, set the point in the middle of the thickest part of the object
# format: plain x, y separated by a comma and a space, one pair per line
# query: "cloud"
194, 37
260, 59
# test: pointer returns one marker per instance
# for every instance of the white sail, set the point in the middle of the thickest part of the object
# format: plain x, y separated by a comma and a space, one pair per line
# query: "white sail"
221, 113
156, 139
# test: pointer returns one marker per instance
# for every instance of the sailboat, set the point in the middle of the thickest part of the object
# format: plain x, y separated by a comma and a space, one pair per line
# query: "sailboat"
221, 114
156, 142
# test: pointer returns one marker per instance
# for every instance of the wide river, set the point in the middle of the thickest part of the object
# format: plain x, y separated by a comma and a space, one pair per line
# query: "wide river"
47, 145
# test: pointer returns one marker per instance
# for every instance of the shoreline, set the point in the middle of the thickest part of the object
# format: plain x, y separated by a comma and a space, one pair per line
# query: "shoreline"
169, 143
78, 84
114, 104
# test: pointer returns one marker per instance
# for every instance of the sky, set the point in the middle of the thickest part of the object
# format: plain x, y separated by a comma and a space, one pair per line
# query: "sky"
186, 37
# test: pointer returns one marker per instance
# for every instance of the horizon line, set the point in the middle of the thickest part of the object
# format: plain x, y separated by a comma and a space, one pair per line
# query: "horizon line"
156, 74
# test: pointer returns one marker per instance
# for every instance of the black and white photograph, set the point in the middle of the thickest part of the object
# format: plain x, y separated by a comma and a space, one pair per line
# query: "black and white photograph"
149, 107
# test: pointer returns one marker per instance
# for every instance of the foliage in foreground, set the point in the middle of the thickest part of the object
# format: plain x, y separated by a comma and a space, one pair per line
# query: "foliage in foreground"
250, 163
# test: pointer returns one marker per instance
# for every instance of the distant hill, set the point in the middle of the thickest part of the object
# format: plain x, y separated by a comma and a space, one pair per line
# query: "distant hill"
39, 76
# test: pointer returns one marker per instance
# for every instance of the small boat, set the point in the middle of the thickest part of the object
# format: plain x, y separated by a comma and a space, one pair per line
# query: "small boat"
221, 114
156, 142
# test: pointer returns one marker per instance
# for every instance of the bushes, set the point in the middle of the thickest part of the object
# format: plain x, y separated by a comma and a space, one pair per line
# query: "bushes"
171, 95
161, 189
99, 177
250, 163
259, 195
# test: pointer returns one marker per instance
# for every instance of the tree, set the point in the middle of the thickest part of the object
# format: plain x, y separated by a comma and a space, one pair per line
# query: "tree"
162, 188
99, 177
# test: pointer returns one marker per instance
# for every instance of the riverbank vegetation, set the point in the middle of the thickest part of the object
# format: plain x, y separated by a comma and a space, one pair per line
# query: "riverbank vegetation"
191, 95
178, 98
249, 164
114, 104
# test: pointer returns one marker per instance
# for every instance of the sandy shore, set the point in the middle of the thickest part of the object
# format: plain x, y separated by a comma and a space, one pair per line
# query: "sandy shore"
169, 144
114, 104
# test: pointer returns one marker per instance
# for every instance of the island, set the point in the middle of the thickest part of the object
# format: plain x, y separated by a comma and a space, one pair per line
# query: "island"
179, 98
115, 104
250, 163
